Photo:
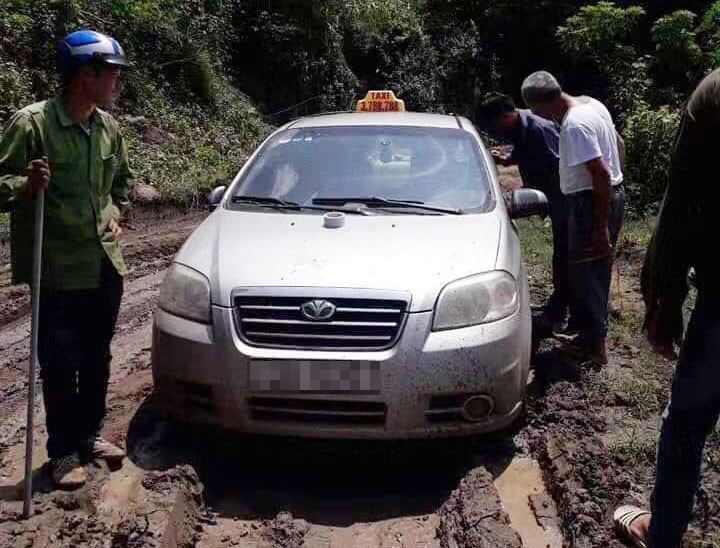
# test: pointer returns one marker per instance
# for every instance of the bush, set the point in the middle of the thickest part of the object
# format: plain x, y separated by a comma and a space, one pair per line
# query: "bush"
649, 139
677, 54
600, 31
709, 36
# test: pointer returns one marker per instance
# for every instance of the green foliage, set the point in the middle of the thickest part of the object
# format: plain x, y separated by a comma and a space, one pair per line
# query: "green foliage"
291, 58
649, 138
677, 52
709, 36
301, 57
379, 17
15, 84
600, 32
404, 56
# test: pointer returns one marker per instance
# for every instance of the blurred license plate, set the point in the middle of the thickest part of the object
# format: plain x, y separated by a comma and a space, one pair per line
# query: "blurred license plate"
306, 376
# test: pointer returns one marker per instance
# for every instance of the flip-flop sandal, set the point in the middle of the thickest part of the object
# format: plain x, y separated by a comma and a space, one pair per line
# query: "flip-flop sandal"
623, 517
565, 339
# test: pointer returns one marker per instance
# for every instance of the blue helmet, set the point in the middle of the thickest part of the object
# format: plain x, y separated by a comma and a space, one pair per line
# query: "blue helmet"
84, 46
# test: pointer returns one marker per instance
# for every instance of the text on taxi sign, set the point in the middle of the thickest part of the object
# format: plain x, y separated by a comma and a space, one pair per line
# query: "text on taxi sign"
380, 101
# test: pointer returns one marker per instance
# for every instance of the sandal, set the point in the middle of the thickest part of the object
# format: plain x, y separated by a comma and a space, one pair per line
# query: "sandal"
623, 517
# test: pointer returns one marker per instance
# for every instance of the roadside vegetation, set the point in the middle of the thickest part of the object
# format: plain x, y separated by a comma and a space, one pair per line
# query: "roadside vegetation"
212, 77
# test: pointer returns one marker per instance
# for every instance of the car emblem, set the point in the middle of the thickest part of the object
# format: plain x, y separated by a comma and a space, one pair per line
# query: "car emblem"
318, 310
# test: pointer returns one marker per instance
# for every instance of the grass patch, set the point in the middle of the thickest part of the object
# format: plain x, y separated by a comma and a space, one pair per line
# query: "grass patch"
537, 248
537, 244
712, 453
638, 393
637, 232
637, 450
625, 328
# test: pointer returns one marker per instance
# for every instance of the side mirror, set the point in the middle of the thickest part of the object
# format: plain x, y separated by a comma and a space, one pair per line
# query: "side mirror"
215, 197
526, 202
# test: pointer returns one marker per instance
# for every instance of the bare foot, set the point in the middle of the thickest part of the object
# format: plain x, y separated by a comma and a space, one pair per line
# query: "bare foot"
640, 526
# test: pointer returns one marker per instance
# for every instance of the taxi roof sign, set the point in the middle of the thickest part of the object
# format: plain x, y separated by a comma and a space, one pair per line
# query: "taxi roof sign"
380, 101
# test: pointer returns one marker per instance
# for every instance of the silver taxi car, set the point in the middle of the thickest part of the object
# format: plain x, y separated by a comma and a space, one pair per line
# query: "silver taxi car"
359, 278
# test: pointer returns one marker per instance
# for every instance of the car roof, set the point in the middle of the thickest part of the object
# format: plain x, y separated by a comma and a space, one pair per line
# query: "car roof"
414, 119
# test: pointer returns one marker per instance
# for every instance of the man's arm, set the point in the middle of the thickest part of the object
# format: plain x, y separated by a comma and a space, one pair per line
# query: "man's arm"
119, 190
602, 182
583, 148
621, 149
16, 147
667, 262
669, 257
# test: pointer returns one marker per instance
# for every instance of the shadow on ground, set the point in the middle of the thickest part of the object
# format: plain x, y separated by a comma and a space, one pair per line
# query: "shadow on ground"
334, 483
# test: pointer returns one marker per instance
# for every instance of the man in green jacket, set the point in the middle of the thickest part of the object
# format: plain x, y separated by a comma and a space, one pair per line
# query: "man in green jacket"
75, 151
683, 239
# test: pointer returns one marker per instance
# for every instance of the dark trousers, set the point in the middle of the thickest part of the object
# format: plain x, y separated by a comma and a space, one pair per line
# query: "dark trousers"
688, 420
76, 328
590, 278
559, 302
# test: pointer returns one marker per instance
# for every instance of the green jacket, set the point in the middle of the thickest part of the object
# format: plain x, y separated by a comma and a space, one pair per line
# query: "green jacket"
88, 187
685, 235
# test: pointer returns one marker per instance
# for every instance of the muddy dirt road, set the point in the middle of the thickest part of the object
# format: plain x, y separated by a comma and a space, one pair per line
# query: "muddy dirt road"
551, 482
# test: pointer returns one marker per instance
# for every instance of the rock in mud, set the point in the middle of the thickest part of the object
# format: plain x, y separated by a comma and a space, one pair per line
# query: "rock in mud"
285, 531
144, 194
473, 516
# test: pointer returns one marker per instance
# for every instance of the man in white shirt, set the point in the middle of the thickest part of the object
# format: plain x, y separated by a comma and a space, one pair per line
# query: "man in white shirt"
591, 163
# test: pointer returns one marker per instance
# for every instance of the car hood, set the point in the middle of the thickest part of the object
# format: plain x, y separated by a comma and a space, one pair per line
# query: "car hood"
419, 254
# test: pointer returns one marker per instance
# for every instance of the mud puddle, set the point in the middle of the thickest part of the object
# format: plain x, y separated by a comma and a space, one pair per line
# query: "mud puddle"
531, 510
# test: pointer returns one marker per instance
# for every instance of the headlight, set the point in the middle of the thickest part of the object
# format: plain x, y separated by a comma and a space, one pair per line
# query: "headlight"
482, 298
186, 293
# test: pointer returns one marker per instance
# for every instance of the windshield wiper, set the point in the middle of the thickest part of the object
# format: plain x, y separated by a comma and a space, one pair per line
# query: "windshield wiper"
386, 202
264, 200
276, 203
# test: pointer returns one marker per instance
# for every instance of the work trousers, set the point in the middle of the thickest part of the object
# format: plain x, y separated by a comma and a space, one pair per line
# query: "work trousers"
76, 328
590, 277
687, 422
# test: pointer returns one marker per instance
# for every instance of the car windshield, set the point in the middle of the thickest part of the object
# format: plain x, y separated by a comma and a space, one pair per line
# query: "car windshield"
377, 165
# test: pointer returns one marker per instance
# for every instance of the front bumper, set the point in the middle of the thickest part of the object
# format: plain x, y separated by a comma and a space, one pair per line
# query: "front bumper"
202, 374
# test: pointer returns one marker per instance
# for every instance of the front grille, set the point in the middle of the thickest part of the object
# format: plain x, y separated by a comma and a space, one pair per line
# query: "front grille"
358, 324
330, 412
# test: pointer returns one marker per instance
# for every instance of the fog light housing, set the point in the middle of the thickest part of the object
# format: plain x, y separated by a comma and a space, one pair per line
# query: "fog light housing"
478, 408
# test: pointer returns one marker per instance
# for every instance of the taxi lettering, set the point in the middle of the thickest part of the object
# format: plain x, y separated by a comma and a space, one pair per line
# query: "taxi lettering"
380, 101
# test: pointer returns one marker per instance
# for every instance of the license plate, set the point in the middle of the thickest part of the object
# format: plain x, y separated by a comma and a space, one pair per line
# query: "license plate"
305, 376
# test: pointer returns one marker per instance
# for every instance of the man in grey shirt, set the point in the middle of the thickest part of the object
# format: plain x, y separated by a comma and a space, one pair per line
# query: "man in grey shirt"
591, 178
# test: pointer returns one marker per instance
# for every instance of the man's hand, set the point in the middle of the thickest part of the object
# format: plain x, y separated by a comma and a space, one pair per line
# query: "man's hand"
601, 242
115, 228
38, 172
664, 326
499, 157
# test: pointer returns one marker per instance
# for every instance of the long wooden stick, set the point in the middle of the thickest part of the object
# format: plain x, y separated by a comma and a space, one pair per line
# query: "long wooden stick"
37, 271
